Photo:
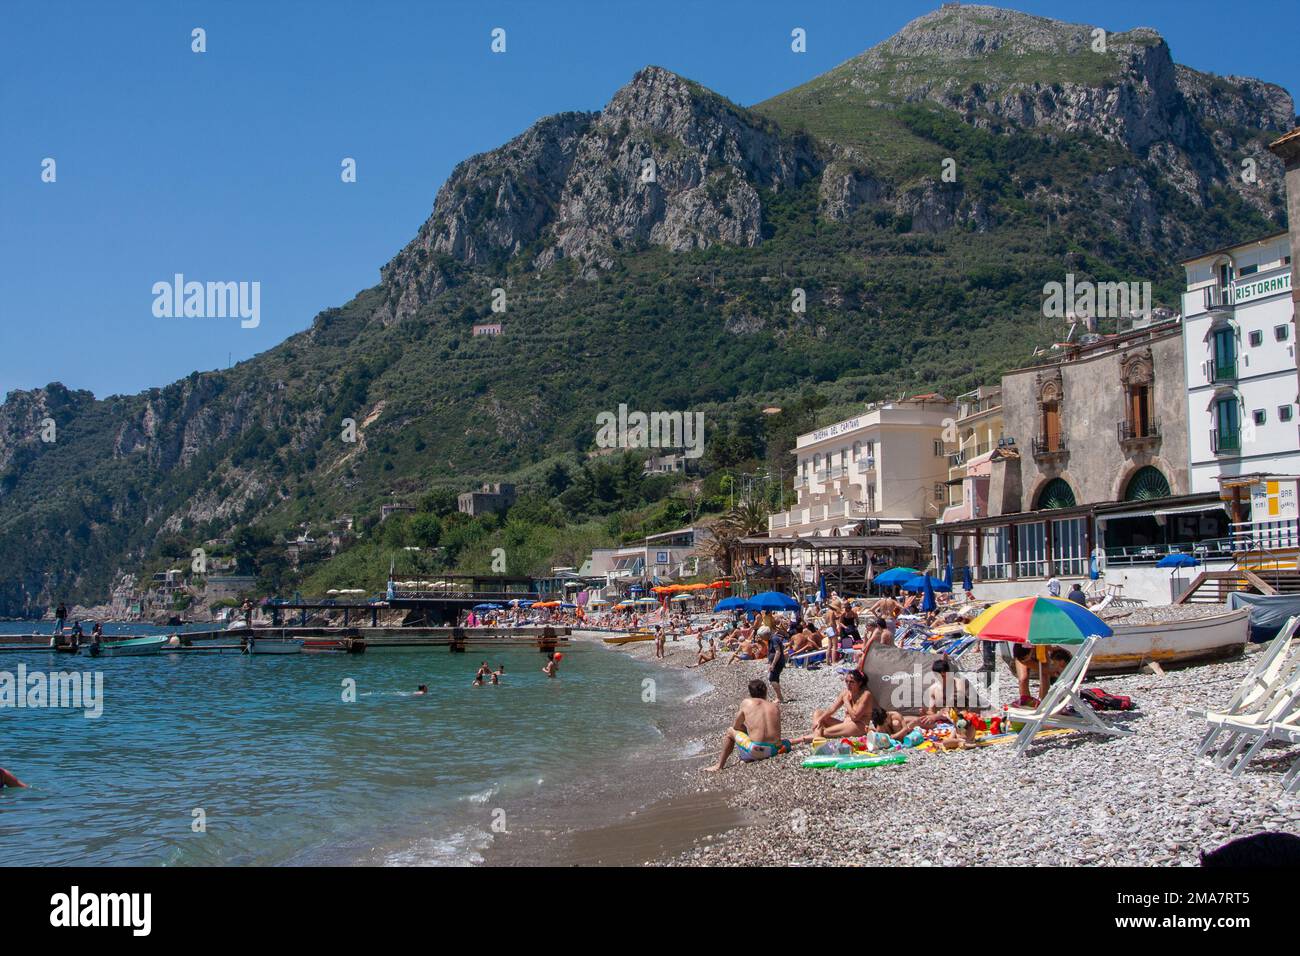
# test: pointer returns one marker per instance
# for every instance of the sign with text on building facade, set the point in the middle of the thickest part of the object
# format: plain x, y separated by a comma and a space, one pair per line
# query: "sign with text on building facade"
837, 429
1245, 290
1273, 501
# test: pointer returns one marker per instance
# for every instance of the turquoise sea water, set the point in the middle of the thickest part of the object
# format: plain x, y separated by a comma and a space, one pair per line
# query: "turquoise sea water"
285, 771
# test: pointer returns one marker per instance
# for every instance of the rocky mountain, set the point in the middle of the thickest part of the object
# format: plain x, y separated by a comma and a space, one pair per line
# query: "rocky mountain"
648, 253
666, 163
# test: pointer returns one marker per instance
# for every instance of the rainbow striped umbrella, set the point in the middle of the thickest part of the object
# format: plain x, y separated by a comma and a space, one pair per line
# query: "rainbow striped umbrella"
1038, 620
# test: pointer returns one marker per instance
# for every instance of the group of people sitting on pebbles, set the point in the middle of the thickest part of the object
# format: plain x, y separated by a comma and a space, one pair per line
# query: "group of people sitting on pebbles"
839, 628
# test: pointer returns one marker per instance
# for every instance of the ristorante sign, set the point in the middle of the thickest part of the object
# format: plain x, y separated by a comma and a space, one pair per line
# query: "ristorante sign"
1244, 290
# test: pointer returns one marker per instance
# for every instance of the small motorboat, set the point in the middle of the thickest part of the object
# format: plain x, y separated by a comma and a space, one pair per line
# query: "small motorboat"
128, 647
273, 645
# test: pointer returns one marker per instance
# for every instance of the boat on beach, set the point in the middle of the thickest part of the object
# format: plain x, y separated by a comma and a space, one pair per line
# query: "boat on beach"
1172, 642
128, 647
630, 638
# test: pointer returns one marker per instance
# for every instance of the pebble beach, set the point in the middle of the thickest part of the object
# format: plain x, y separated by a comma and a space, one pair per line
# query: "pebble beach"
1070, 800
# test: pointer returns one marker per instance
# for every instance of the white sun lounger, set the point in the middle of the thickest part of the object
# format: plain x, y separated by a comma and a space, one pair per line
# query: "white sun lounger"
1289, 733
1274, 665
1060, 697
1280, 709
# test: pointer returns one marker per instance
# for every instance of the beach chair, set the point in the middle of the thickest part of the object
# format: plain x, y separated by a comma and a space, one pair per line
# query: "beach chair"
1272, 667
1062, 696
1280, 709
1288, 733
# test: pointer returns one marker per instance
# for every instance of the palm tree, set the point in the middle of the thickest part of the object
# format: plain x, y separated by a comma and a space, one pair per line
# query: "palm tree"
746, 518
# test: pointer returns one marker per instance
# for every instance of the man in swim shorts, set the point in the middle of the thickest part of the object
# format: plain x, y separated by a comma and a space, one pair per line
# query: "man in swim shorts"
756, 734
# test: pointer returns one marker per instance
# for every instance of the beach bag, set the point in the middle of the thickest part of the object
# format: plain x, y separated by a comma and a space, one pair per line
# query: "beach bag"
1101, 700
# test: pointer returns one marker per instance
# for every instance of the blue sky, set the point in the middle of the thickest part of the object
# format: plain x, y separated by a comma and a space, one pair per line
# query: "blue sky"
225, 165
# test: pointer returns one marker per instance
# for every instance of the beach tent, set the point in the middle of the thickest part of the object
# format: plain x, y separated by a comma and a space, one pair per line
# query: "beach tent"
894, 576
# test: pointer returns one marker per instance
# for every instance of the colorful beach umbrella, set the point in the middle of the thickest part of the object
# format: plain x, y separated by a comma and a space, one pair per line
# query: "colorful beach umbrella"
894, 576
1038, 620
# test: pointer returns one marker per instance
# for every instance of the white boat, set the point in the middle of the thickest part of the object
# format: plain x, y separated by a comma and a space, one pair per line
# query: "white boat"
274, 645
128, 647
1173, 642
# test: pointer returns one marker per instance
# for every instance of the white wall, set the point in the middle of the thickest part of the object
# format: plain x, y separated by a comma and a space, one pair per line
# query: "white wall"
1144, 582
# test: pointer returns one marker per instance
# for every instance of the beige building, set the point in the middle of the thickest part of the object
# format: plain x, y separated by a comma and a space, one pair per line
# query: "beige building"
977, 431
1091, 474
887, 466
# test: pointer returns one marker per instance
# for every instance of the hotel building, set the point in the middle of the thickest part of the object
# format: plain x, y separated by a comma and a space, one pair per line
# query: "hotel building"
1240, 356
888, 466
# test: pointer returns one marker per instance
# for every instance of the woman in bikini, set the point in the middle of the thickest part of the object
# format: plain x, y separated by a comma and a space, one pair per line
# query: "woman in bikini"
858, 703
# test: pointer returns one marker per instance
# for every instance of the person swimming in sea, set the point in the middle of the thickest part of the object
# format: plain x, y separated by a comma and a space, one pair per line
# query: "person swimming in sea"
552, 666
421, 690
9, 780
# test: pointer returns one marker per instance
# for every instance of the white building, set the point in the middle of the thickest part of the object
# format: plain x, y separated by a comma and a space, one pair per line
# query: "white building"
1239, 336
889, 464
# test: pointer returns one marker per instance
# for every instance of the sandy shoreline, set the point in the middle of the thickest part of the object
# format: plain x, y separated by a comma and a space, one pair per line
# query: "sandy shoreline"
1071, 800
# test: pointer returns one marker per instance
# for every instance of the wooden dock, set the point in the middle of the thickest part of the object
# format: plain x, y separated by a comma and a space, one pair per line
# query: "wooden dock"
350, 639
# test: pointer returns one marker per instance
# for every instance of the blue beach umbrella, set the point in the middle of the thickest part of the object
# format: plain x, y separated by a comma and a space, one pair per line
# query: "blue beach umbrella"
947, 574
771, 601
928, 603
894, 576
921, 581
821, 590
487, 607
967, 584
1178, 561
730, 604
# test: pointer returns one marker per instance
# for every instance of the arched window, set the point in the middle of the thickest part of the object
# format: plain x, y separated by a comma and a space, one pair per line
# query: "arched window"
1147, 484
1057, 493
